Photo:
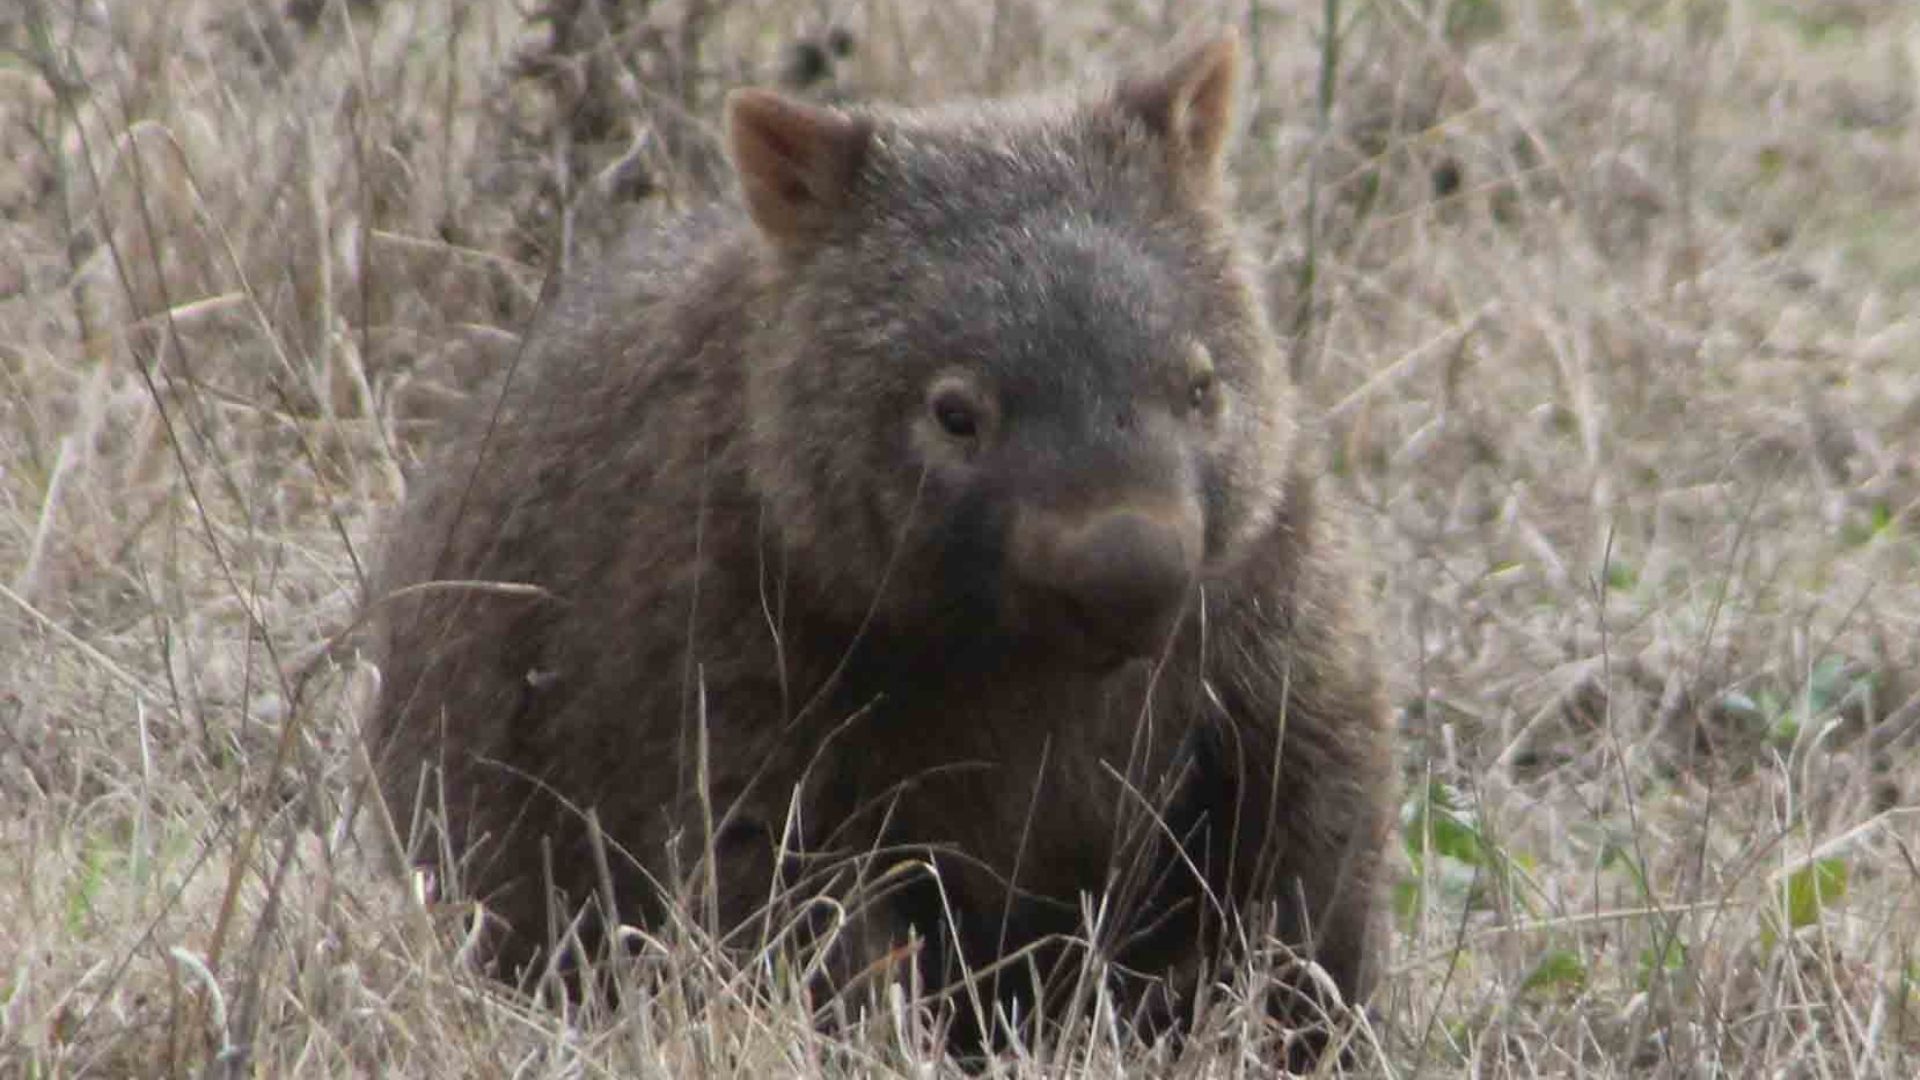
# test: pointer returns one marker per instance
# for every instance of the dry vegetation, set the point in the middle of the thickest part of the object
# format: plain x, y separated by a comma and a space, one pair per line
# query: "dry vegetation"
1609, 307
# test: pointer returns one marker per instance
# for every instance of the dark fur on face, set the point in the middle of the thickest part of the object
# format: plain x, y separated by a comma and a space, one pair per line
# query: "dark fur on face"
1083, 302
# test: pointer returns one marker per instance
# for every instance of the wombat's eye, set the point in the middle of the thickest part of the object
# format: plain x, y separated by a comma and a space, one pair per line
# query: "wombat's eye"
1200, 390
956, 411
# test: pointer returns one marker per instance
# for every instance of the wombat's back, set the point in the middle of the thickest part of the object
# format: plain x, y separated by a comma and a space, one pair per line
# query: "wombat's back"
551, 548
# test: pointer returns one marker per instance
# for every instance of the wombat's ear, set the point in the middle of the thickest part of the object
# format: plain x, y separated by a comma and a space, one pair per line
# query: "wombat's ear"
1189, 102
796, 162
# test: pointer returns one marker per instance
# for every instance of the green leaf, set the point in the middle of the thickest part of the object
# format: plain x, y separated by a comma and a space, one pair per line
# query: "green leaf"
1407, 896
1661, 960
1456, 839
1828, 684
1443, 820
1812, 888
1474, 20
1620, 577
1558, 970
84, 886
1785, 730
1741, 707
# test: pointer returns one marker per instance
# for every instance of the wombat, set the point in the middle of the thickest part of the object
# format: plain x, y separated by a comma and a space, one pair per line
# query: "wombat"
930, 543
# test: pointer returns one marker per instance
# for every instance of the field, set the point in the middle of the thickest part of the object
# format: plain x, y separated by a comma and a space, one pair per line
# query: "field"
1608, 312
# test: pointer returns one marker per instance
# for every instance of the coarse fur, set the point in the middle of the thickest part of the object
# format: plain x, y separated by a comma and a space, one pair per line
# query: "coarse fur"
944, 505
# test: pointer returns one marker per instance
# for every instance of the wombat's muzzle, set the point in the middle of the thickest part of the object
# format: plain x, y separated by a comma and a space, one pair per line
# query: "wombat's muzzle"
1111, 584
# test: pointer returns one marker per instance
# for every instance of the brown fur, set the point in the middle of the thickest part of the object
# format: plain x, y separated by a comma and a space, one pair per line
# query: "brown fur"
945, 507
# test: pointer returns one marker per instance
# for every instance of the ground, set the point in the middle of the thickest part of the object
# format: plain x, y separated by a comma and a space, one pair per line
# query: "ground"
1606, 310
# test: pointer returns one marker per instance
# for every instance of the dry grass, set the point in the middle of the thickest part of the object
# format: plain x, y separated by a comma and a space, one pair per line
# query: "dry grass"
1610, 307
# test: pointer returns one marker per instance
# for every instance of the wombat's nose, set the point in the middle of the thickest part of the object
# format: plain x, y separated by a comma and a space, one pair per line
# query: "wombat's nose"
1118, 578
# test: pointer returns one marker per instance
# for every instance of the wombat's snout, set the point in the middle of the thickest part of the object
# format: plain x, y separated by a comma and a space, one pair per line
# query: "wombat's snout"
1113, 581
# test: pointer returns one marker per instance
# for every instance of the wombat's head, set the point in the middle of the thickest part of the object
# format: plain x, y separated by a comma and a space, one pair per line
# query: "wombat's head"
1011, 378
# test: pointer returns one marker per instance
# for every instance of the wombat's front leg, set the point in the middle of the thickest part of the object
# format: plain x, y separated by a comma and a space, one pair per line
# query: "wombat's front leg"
842, 921
1294, 834
1296, 773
